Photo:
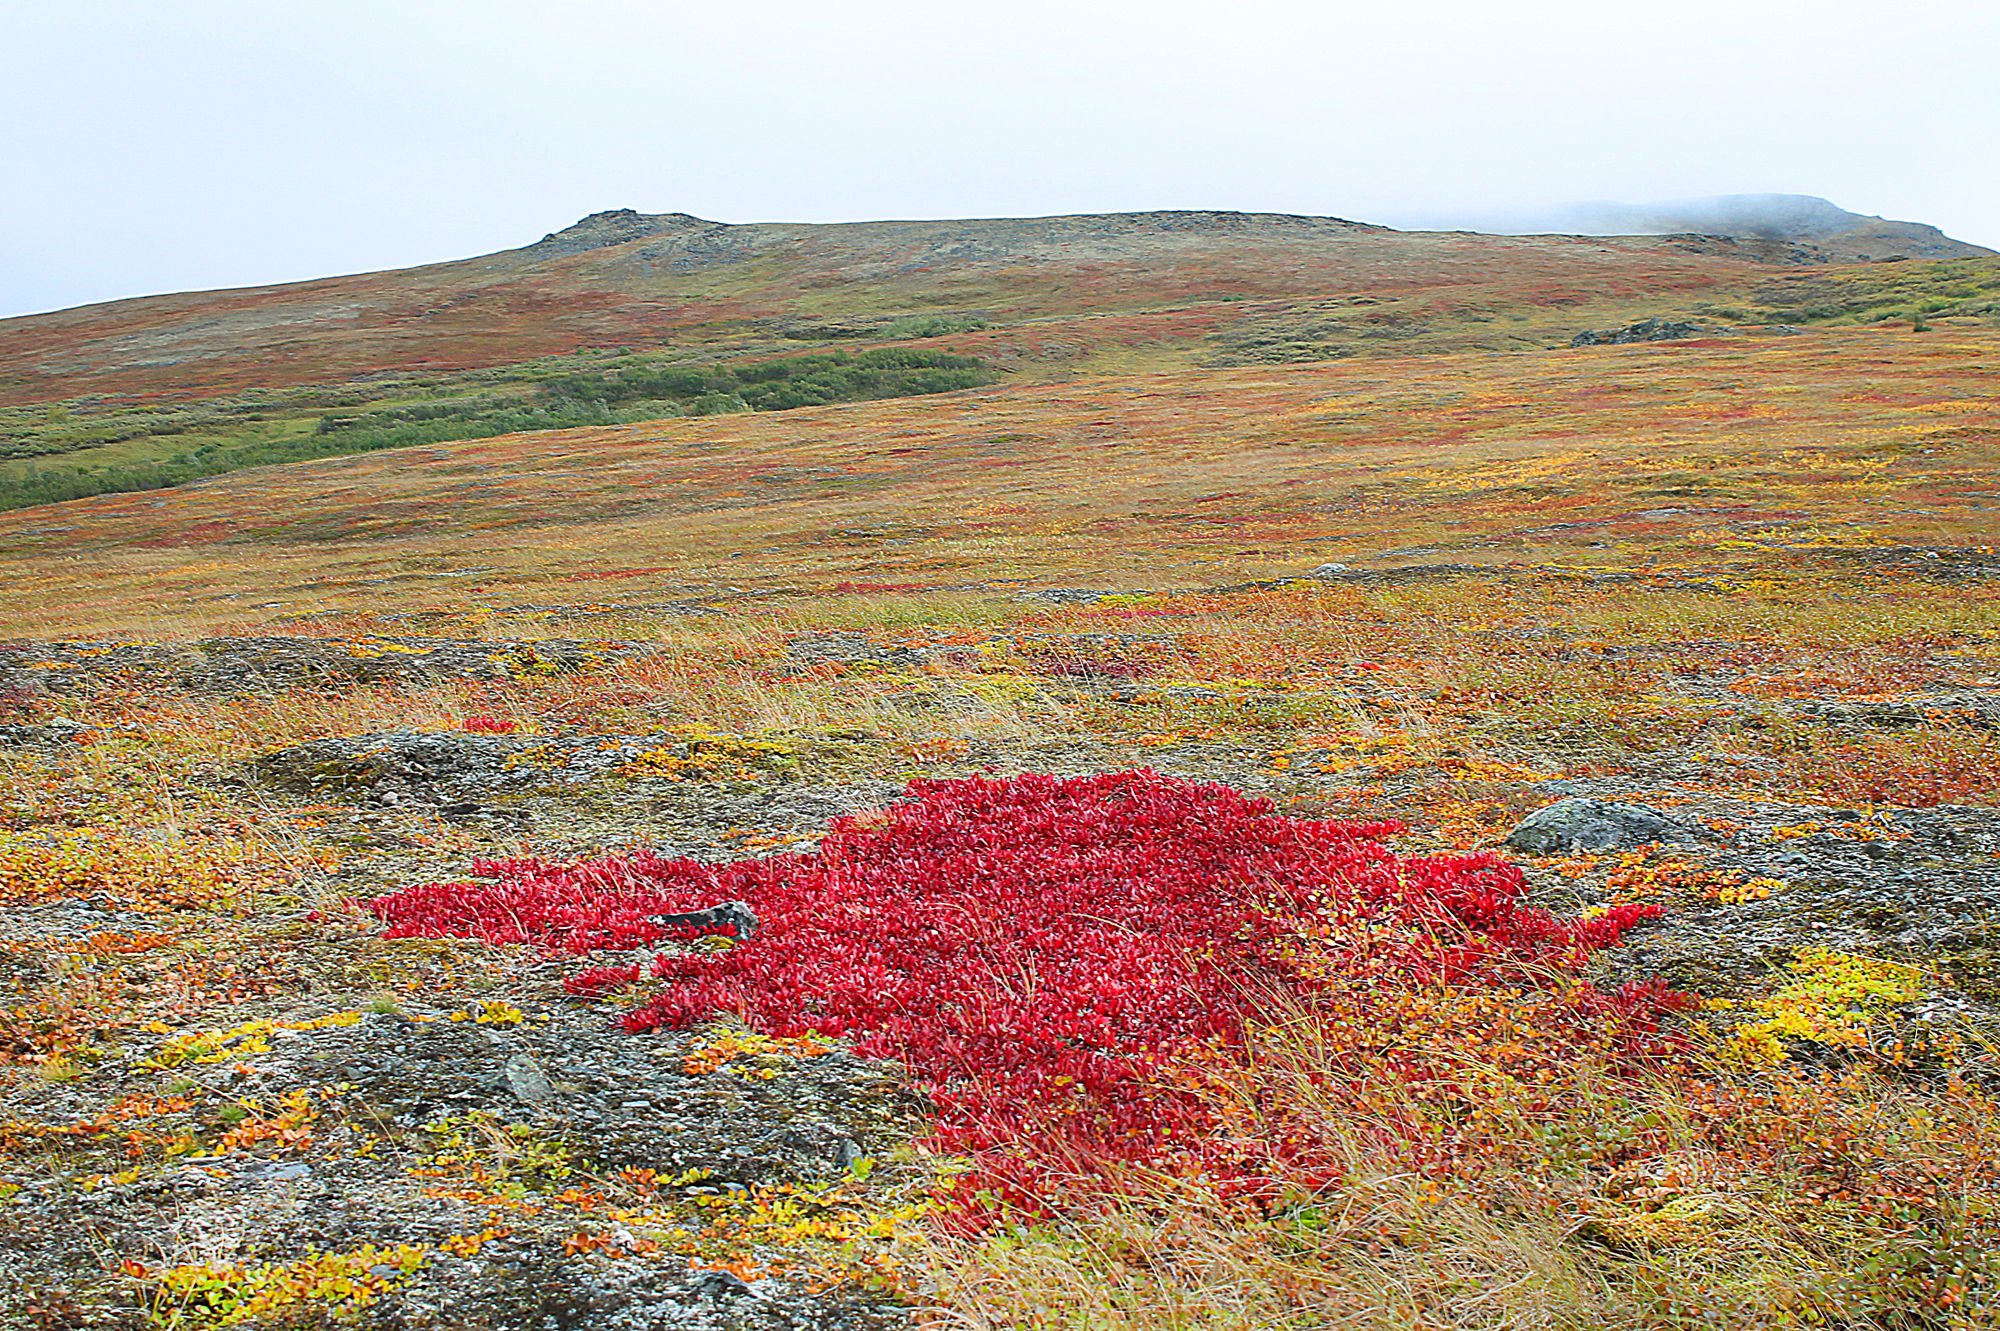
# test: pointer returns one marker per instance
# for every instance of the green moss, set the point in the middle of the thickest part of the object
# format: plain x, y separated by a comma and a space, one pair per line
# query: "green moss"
73, 450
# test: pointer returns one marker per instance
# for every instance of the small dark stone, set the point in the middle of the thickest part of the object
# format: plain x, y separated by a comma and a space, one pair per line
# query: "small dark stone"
720, 1285
735, 915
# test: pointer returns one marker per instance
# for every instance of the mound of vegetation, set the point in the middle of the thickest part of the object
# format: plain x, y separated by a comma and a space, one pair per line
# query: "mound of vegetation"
1051, 956
1876, 293
779, 385
333, 437
254, 433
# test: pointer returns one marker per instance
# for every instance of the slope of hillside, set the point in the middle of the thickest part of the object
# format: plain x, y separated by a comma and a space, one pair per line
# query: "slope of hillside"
1615, 949
625, 317
1163, 480
627, 279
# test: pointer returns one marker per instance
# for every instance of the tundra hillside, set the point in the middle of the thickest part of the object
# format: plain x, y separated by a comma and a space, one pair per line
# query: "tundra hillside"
1270, 781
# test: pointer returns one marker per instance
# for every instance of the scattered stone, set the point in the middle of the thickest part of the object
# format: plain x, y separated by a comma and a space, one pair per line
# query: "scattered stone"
273, 665
1977, 708
526, 1079
1068, 595
1923, 889
66, 921
721, 1284
592, 790
426, 763
855, 649
1385, 577
57, 730
576, 1090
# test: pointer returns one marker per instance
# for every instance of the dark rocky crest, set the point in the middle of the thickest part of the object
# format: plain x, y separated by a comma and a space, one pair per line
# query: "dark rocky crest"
616, 226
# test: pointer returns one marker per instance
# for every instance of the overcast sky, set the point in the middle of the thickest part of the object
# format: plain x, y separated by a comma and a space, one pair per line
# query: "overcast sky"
150, 146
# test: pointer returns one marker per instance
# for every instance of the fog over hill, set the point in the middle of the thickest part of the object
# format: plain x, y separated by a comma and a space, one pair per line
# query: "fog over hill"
1839, 235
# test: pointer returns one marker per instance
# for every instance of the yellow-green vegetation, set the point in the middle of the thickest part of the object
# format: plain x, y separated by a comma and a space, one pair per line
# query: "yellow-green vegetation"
1833, 998
83, 448
340, 1286
508, 1159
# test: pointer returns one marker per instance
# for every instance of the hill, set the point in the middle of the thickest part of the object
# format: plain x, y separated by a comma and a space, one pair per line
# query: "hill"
626, 316
623, 278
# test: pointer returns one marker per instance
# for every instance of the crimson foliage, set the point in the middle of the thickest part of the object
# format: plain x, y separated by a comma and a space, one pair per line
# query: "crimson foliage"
1040, 950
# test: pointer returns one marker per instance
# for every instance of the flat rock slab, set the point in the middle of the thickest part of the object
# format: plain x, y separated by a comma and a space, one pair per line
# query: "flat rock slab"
389, 1087
444, 763
235, 665
1978, 709
620, 787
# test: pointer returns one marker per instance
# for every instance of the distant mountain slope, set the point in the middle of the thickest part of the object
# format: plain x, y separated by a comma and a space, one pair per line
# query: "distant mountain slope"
626, 316
671, 280
1839, 236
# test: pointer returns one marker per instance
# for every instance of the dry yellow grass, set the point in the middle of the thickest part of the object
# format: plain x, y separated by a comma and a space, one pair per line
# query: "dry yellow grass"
1610, 1202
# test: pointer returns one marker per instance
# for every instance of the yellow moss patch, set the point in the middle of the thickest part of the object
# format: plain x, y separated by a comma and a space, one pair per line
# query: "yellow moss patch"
706, 755
219, 1046
748, 1054
211, 1294
1836, 998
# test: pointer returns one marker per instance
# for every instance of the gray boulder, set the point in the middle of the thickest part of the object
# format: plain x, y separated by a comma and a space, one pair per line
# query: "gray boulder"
1588, 824
1646, 330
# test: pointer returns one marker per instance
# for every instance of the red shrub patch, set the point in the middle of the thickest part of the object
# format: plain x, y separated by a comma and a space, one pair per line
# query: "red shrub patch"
1039, 950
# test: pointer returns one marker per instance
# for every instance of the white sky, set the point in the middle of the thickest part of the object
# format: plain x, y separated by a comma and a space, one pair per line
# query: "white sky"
148, 146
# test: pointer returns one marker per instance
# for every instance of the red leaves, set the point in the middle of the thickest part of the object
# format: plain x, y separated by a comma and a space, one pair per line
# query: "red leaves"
1039, 951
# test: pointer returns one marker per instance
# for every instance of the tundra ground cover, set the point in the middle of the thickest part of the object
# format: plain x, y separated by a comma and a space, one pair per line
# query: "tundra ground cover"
1636, 462
1566, 573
